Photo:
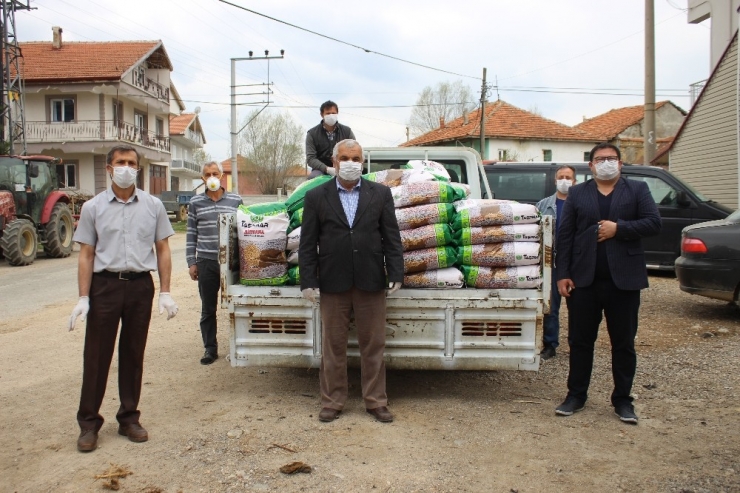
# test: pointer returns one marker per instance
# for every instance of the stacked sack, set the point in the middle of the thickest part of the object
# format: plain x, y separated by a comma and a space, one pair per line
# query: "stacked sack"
423, 196
498, 243
262, 236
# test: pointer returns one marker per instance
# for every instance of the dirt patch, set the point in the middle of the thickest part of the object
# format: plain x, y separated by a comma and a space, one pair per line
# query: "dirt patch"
218, 428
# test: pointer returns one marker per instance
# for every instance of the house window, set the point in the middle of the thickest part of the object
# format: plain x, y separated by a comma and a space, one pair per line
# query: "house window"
117, 112
586, 155
547, 155
62, 109
140, 124
159, 127
67, 175
503, 154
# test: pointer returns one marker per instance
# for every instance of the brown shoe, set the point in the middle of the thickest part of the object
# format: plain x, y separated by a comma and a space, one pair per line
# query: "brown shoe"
135, 432
88, 441
327, 414
382, 414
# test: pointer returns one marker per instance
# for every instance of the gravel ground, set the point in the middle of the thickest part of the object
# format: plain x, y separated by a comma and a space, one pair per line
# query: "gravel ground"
224, 429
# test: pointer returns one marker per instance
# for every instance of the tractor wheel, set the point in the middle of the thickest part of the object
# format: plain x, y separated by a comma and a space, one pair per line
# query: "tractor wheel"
19, 242
59, 231
182, 213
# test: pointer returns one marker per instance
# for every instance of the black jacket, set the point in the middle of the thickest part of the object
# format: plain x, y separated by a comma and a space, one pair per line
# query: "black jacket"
349, 255
319, 147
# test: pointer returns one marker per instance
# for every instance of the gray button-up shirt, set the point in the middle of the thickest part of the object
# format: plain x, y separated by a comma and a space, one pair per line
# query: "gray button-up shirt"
123, 233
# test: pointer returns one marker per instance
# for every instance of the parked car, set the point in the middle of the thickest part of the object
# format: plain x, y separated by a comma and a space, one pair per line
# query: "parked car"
679, 204
709, 264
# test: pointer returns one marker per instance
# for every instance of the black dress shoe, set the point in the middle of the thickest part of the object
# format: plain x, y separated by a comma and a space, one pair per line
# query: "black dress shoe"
548, 352
208, 358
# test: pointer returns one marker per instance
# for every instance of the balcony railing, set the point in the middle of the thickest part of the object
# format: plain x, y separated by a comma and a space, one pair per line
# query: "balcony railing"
140, 80
196, 137
178, 164
95, 130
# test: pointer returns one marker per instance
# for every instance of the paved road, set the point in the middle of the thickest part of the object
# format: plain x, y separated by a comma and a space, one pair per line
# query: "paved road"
50, 281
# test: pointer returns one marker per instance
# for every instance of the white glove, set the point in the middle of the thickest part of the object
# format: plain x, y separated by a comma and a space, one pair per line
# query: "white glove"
331, 171
80, 310
393, 287
167, 303
311, 294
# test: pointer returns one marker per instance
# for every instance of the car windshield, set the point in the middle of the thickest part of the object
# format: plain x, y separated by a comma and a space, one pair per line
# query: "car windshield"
734, 217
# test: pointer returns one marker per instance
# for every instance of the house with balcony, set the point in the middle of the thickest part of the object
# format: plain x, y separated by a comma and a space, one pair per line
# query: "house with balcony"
83, 98
186, 138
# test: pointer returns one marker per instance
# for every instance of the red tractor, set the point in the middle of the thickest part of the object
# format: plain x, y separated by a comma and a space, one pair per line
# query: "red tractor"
33, 210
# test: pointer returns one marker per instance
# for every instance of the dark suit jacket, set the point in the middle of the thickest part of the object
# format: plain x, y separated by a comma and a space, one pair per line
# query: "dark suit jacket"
358, 255
636, 215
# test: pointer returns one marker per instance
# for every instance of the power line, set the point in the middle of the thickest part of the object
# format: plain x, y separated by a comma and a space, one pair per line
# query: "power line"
366, 50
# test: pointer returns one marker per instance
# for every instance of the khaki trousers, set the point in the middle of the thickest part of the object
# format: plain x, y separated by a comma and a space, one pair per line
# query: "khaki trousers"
369, 312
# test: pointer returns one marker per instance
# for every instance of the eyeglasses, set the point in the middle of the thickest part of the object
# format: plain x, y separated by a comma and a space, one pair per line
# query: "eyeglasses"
601, 159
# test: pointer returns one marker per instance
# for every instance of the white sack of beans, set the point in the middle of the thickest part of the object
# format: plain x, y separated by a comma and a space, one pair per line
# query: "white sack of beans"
506, 254
398, 177
478, 235
428, 192
521, 277
463, 187
491, 212
293, 257
428, 259
432, 167
431, 235
261, 231
437, 278
421, 215
294, 239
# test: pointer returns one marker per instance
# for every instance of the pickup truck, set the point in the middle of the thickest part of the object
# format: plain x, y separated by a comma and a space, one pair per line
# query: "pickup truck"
426, 329
176, 202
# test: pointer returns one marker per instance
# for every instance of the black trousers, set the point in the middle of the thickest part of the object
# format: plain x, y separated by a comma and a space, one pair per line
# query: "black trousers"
209, 282
113, 301
585, 307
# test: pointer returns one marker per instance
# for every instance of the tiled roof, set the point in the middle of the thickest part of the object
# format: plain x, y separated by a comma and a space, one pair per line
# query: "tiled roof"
607, 126
87, 61
503, 120
179, 123
241, 161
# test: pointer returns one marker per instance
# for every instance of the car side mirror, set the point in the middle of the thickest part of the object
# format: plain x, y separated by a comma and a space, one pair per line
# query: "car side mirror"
682, 200
33, 170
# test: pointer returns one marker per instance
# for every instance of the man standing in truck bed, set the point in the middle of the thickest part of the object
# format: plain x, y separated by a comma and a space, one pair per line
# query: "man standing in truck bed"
353, 225
321, 139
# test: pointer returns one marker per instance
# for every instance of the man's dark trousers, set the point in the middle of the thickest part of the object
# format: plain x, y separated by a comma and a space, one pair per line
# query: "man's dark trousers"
551, 322
209, 282
620, 307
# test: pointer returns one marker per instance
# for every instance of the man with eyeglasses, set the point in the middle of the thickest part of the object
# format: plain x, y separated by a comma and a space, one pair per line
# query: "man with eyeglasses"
601, 270
118, 232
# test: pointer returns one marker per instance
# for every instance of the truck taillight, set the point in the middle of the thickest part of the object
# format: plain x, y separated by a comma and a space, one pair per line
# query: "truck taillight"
693, 245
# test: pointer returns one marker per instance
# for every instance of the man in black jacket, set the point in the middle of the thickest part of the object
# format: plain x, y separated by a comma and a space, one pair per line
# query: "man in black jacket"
321, 139
349, 243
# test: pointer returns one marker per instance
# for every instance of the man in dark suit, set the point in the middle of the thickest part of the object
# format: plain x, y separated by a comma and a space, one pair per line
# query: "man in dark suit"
353, 225
601, 268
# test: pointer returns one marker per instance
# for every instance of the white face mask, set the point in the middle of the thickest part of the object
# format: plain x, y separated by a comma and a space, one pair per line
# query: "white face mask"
331, 119
213, 183
350, 170
607, 170
124, 176
564, 185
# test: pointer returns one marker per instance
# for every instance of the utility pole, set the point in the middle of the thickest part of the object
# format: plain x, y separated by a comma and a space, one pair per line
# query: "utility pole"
649, 134
234, 131
483, 95
12, 114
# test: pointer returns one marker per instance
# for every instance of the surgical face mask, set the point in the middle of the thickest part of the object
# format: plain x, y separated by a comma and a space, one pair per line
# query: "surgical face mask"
124, 176
607, 170
331, 119
213, 183
564, 185
350, 170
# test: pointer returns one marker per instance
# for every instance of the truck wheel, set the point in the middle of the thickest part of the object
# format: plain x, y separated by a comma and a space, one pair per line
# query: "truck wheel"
59, 231
19, 242
182, 213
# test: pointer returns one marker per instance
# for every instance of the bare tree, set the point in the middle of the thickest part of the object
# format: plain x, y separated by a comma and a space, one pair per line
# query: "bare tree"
447, 99
272, 145
200, 156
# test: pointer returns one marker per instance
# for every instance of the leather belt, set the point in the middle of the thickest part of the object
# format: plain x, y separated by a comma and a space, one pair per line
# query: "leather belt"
124, 276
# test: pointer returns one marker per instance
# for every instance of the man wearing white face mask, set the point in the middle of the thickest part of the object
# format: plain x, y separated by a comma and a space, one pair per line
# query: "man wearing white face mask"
601, 270
201, 250
353, 224
565, 177
321, 139
118, 232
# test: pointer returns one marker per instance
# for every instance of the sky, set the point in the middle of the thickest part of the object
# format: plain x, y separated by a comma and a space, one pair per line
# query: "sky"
567, 59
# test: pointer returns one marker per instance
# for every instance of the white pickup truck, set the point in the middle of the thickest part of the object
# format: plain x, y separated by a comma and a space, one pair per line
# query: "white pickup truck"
426, 329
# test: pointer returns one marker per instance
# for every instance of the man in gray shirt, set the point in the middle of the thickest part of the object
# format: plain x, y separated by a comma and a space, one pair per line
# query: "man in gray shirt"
321, 139
118, 231
201, 250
